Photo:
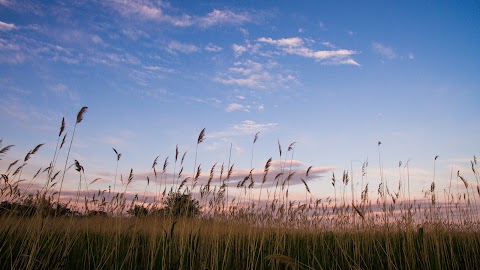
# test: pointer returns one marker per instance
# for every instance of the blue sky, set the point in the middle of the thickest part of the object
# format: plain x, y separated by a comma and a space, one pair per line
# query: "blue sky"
334, 76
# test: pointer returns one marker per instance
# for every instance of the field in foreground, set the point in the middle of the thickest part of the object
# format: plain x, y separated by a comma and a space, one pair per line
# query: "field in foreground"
156, 243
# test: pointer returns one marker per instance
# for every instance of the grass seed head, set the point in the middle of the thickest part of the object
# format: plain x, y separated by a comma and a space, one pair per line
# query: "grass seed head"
80, 114
62, 127
201, 136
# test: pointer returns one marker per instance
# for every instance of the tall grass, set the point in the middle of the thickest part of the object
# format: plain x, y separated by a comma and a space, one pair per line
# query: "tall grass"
80, 114
120, 230
143, 243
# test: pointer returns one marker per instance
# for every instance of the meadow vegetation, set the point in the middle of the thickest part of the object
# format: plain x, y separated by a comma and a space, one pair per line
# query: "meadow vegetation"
225, 220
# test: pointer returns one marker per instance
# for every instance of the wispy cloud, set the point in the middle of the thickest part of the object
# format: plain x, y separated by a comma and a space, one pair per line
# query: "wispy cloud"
251, 127
238, 50
384, 51
63, 90
322, 26
329, 44
97, 40
159, 69
152, 10
223, 17
175, 46
245, 128
7, 45
238, 174
290, 42
20, 48
10, 52
252, 74
142, 9
162, 12
23, 6
300, 169
109, 58
235, 107
296, 46
213, 48
240, 103
5, 2
6, 26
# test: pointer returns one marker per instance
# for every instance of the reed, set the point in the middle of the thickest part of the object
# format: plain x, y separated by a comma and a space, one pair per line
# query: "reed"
80, 115
186, 229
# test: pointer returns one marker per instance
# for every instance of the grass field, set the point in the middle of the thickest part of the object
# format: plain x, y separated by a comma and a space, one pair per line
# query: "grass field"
150, 243
195, 224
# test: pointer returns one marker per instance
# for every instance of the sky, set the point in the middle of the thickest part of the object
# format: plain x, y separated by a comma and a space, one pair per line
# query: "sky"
336, 77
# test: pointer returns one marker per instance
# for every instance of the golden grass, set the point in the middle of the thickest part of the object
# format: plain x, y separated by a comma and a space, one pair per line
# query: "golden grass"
110, 230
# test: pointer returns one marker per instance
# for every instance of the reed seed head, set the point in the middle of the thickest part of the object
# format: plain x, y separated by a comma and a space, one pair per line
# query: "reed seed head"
62, 127
201, 136
80, 114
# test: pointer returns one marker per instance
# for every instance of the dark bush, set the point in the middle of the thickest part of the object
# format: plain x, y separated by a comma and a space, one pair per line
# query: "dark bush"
138, 211
32, 205
181, 205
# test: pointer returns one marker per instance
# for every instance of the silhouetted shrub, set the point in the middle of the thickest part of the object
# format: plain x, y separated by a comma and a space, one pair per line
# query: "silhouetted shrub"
138, 211
181, 205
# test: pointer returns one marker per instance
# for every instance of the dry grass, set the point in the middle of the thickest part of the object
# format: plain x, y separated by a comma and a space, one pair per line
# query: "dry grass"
114, 229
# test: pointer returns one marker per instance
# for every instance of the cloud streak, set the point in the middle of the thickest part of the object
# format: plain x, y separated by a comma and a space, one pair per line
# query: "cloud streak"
253, 74
62, 90
158, 11
251, 127
297, 46
24, 6
6, 26
217, 17
384, 51
10, 52
235, 107
175, 46
213, 48
238, 50
246, 127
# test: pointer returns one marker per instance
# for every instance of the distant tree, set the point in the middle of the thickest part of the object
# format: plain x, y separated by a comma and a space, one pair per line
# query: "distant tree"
181, 205
138, 211
32, 205
17, 209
